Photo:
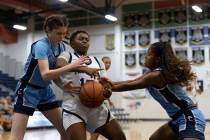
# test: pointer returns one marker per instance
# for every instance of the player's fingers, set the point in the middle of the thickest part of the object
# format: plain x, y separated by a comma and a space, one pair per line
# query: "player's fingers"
99, 69
107, 93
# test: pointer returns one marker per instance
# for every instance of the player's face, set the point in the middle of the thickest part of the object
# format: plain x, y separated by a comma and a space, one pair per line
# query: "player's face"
107, 63
58, 34
150, 59
81, 43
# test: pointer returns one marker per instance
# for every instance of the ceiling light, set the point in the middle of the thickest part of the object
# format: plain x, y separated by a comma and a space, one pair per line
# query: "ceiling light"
197, 8
63, 0
19, 27
110, 17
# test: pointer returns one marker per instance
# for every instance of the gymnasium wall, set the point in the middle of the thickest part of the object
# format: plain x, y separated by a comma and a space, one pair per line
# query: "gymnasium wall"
2, 48
17, 50
187, 31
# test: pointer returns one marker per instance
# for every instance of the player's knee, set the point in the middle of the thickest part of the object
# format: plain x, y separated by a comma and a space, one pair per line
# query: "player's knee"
152, 137
122, 136
119, 136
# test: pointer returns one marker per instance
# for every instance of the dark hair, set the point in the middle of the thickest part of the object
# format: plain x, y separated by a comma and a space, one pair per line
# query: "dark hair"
74, 34
175, 71
160, 49
55, 21
105, 57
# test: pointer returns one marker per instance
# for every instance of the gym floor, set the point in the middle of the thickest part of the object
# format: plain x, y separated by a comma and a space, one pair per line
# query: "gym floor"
139, 130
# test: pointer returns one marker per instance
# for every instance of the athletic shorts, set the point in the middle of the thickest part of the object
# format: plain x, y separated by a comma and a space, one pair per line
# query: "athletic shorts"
30, 98
189, 125
75, 112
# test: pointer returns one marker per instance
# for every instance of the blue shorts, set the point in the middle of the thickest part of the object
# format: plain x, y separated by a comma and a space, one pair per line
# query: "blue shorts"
189, 125
30, 98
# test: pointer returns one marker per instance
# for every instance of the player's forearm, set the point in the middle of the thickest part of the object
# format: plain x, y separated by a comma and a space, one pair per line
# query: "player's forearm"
121, 82
81, 69
56, 73
126, 85
120, 87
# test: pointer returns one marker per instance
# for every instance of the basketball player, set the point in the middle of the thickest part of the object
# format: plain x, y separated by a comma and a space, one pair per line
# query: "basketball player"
164, 82
78, 118
33, 90
107, 63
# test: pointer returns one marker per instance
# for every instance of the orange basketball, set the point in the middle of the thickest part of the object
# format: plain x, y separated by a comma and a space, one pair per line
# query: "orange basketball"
92, 94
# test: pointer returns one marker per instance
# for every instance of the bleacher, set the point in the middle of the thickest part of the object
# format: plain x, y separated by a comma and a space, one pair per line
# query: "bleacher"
10, 71
8, 81
3, 93
120, 114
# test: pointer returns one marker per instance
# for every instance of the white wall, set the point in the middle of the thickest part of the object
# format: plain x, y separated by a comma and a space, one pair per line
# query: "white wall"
2, 47
17, 50
21, 49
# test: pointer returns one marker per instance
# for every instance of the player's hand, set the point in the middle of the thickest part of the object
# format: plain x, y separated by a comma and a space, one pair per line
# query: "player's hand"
78, 63
107, 92
107, 86
93, 72
106, 82
71, 89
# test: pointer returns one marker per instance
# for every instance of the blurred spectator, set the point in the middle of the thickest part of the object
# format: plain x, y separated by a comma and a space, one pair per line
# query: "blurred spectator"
6, 113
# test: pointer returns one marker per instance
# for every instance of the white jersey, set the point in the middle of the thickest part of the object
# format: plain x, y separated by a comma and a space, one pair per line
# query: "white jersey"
73, 110
79, 78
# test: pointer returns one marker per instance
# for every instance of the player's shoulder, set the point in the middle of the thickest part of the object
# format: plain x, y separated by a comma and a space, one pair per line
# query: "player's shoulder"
99, 61
92, 57
41, 42
152, 75
40, 45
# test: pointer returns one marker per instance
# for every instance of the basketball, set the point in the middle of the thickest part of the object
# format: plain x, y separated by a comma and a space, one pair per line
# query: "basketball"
92, 94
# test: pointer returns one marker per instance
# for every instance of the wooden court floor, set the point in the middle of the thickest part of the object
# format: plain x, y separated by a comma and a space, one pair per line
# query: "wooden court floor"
140, 130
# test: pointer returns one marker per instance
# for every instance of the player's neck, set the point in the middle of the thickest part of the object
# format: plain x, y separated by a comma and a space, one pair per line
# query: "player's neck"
80, 54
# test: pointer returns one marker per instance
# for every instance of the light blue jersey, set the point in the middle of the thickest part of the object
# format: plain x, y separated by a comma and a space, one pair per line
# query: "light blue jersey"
32, 91
187, 121
42, 50
172, 98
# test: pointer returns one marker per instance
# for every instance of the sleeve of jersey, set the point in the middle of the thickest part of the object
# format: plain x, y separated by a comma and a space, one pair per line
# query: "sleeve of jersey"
65, 55
40, 50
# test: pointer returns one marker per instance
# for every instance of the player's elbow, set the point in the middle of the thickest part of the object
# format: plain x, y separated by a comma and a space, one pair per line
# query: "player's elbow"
46, 76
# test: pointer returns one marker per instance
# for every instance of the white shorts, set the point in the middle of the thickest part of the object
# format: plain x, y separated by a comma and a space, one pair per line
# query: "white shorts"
75, 112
